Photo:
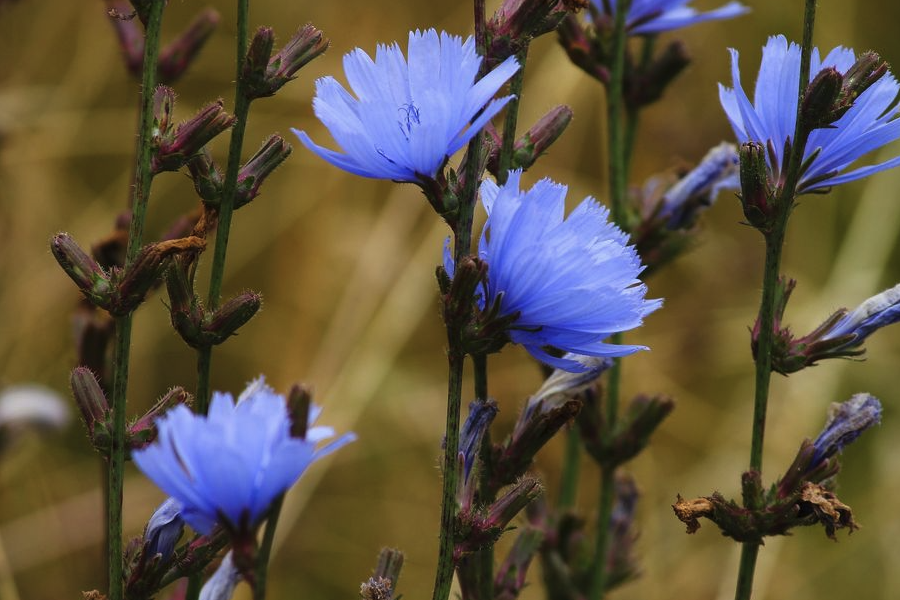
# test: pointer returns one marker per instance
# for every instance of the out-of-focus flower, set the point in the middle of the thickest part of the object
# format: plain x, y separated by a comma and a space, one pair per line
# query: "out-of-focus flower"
873, 314
407, 116
222, 583
229, 466
566, 283
32, 405
164, 529
684, 201
867, 123
646, 17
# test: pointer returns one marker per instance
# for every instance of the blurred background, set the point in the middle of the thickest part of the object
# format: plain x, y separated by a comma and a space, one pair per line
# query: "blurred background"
346, 268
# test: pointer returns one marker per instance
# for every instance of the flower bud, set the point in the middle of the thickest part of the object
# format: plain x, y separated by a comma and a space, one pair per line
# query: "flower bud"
163, 112
143, 431
510, 578
846, 422
755, 195
207, 177
252, 175
130, 36
502, 512
307, 44
174, 151
585, 53
299, 403
258, 54
163, 530
540, 137
647, 86
229, 317
867, 70
178, 55
89, 397
682, 203
82, 269
819, 100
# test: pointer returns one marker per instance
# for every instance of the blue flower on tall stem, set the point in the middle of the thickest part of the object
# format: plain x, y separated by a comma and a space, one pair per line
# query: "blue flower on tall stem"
407, 117
770, 119
646, 17
569, 283
229, 466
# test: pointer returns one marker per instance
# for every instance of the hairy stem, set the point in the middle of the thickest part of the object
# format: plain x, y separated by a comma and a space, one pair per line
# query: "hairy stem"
122, 344
774, 246
511, 119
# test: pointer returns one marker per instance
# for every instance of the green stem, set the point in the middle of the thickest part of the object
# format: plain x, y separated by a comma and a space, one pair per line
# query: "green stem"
774, 246
265, 549
122, 344
204, 369
569, 482
633, 113
617, 197
504, 161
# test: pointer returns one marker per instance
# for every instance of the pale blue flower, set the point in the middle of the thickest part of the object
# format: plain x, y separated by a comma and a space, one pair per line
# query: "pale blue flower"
655, 16
878, 311
771, 118
407, 117
229, 466
222, 583
719, 170
572, 282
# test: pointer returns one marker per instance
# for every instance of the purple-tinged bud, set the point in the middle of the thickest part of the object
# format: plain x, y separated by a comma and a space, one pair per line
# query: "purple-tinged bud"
145, 272
82, 269
466, 277
682, 204
184, 308
163, 530
222, 583
481, 415
89, 397
519, 20
648, 85
864, 73
252, 175
817, 109
130, 35
846, 422
178, 55
585, 53
207, 177
163, 112
502, 512
756, 197
229, 317
307, 44
510, 578
143, 431
258, 55
540, 137
620, 557
174, 151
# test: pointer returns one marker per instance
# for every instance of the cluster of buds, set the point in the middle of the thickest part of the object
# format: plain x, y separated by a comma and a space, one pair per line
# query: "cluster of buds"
831, 94
120, 290
517, 22
173, 146
97, 417
840, 336
589, 47
200, 327
264, 74
803, 496
175, 58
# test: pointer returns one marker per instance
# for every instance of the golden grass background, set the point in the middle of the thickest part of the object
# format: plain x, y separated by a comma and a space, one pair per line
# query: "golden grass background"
346, 268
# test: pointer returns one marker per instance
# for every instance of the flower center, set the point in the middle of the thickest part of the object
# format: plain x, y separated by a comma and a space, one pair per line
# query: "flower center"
409, 116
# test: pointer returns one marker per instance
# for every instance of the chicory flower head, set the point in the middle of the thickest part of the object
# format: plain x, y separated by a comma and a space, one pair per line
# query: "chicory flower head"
878, 311
770, 119
572, 282
646, 17
228, 467
407, 116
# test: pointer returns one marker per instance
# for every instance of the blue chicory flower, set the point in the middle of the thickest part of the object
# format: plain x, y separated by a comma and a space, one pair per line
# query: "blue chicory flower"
572, 281
164, 529
647, 17
407, 117
873, 314
771, 118
846, 422
229, 466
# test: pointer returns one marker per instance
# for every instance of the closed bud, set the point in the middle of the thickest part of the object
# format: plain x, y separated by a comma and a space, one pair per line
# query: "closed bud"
512, 502
299, 402
540, 137
130, 36
252, 175
307, 44
755, 195
229, 317
867, 70
819, 100
519, 20
163, 530
184, 309
145, 272
257, 61
510, 578
143, 431
174, 151
82, 269
178, 55
163, 112
89, 397
207, 177
648, 85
